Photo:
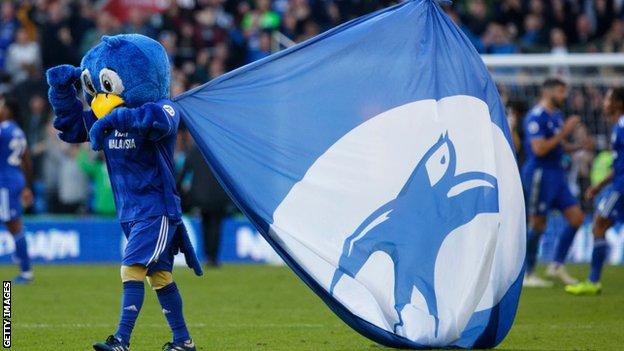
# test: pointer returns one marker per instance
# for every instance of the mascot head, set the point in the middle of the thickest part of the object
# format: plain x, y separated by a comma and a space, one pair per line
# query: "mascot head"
128, 70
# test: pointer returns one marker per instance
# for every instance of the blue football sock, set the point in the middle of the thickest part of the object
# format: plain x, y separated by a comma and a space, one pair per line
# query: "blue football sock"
131, 303
171, 303
563, 244
21, 252
533, 240
599, 254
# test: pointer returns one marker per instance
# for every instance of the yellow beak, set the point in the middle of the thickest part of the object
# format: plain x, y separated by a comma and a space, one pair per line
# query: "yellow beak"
102, 104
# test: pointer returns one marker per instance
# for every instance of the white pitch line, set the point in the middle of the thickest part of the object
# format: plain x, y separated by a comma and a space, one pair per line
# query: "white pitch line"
162, 325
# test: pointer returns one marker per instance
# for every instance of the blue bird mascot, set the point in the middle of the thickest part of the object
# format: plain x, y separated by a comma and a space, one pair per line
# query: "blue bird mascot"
125, 79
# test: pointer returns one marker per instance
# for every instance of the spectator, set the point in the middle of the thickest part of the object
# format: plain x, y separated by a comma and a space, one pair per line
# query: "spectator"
533, 33
137, 23
604, 13
510, 12
34, 84
558, 41
262, 17
263, 50
8, 26
497, 40
57, 44
558, 44
614, 39
105, 24
23, 53
95, 168
477, 20
73, 186
34, 123
584, 31
581, 163
50, 149
206, 194
34, 120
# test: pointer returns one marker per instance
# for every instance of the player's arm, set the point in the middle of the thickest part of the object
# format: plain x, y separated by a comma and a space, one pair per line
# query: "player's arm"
71, 120
587, 144
27, 170
152, 120
541, 146
593, 190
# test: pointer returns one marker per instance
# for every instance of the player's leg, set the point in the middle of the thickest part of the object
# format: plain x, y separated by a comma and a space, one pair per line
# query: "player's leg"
10, 214
599, 255
610, 208
537, 225
538, 202
599, 252
16, 229
161, 280
575, 217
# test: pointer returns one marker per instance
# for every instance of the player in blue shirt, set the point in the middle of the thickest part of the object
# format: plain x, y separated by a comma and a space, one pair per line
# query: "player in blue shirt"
611, 206
15, 180
545, 182
133, 121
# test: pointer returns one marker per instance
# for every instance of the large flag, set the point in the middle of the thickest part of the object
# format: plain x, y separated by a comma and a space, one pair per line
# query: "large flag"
376, 159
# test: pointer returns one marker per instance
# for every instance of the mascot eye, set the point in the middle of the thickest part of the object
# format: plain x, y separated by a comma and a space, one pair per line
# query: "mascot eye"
110, 82
87, 84
437, 164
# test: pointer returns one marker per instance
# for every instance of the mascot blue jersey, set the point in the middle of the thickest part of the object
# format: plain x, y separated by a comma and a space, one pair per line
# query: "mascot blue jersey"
540, 124
12, 147
141, 170
617, 144
140, 162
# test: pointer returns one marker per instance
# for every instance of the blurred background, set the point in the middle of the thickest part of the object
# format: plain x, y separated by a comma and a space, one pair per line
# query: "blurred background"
522, 42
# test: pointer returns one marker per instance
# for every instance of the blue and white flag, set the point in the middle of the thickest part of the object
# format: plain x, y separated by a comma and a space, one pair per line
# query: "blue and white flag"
376, 159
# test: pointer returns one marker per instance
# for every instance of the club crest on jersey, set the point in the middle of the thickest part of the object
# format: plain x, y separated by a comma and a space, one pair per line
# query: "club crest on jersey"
169, 110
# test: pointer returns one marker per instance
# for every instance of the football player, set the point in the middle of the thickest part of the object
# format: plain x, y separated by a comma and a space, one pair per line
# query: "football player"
545, 182
15, 185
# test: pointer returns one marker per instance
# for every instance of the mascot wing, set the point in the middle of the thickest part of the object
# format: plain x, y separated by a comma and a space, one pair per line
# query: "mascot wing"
316, 143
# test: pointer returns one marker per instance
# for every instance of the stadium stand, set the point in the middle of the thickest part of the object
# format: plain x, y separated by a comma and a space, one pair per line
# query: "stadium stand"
205, 38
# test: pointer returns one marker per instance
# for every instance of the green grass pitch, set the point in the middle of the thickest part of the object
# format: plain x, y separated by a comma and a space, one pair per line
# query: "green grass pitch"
268, 308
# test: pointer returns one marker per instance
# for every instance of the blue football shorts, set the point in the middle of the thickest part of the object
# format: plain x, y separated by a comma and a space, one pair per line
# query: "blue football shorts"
610, 205
150, 243
545, 190
10, 203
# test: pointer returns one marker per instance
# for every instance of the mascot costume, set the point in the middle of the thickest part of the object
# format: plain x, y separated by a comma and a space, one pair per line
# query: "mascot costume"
374, 158
126, 82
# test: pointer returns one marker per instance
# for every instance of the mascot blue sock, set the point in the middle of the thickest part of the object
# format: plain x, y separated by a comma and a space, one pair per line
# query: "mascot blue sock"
171, 303
131, 303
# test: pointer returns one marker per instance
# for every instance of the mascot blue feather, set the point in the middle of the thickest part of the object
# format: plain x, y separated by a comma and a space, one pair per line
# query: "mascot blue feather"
125, 79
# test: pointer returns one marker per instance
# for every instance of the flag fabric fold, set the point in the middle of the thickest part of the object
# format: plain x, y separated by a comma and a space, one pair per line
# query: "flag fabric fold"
376, 159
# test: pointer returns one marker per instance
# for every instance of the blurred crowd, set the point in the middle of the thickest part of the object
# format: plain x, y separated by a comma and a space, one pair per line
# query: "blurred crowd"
538, 26
206, 38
